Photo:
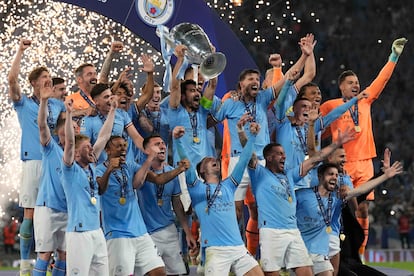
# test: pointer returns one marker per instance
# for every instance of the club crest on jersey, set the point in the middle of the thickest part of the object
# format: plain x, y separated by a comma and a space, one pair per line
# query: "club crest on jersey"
155, 12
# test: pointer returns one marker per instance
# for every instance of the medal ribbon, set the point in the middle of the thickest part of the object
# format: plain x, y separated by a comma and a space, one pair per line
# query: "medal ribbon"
354, 114
86, 98
160, 188
123, 182
252, 111
285, 183
193, 122
156, 120
210, 200
326, 214
91, 180
303, 140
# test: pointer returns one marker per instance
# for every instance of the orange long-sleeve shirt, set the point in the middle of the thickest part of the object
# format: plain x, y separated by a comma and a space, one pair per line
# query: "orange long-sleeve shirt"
363, 146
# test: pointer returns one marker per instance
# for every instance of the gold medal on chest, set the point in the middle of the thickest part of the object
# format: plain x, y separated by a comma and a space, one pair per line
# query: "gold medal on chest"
122, 200
93, 200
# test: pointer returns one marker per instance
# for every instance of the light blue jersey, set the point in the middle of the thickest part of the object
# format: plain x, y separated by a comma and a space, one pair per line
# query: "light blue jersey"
215, 206
150, 195
27, 109
311, 220
91, 125
51, 192
121, 220
293, 138
83, 215
233, 110
159, 120
197, 148
275, 197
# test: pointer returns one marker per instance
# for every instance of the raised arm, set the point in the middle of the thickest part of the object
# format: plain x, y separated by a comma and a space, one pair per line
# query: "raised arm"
106, 130
300, 63
346, 136
177, 134
246, 154
135, 136
162, 178
69, 149
338, 111
175, 93
46, 92
286, 96
311, 141
378, 85
15, 92
103, 180
116, 47
310, 64
148, 91
390, 172
209, 91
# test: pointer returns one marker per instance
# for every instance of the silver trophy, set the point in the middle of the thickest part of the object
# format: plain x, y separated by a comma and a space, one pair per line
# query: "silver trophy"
199, 48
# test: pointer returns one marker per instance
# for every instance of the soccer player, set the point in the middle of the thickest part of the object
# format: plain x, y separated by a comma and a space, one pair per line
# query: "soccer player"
128, 242
273, 188
86, 247
316, 208
155, 203
27, 111
361, 151
254, 103
213, 201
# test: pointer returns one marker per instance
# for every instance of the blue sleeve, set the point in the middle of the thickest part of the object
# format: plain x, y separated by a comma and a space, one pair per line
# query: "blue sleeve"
335, 114
190, 174
245, 157
165, 102
285, 100
220, 114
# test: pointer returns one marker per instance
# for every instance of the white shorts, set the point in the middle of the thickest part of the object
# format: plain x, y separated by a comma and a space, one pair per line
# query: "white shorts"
282, 248
49, 228
169, 248
241, 190
29, 185
334, 245
321, 263
220, 260
129, 254
185, 195
86, 253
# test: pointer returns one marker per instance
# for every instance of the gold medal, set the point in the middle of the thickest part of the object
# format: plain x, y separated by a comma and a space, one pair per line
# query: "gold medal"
357, 128
206, 209
122, 200
93, 200
328, 229
342, 237
290, 199
159, 202
196, 140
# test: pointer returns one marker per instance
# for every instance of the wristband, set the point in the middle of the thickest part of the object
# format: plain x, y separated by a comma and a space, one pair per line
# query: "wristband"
206, 103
